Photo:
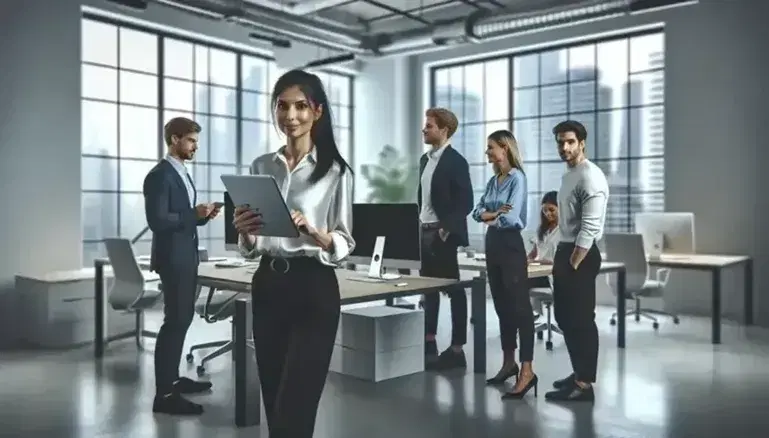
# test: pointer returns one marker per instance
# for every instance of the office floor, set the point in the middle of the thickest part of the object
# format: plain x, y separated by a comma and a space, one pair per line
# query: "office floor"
667, 384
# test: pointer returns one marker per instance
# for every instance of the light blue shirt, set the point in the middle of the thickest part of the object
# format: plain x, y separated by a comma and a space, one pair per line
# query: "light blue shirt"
186, 178
512, 190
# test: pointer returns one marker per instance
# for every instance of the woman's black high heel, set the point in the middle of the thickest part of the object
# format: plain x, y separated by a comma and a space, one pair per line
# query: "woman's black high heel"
502, 377
533, 383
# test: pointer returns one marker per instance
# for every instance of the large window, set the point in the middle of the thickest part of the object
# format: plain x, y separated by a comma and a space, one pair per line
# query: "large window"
614, 87
133, 81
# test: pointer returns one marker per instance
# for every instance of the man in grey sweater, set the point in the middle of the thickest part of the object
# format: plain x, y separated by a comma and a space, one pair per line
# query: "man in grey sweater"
582, 203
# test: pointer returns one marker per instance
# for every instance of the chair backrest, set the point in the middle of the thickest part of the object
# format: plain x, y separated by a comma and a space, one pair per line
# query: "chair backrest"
628, 248
128, 286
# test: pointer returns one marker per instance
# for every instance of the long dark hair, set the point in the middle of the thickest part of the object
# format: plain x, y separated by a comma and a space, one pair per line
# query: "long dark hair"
322, 132
549, 198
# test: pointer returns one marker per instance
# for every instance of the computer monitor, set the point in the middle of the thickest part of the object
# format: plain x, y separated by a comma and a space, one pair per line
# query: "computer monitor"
398, 223
230, 233
676, 230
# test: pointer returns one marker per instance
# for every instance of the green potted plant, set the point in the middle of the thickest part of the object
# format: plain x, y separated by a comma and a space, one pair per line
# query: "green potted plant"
393, 179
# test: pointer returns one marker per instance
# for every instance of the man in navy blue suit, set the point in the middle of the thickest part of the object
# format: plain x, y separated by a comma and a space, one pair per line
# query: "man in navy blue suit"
445, 198
173, 215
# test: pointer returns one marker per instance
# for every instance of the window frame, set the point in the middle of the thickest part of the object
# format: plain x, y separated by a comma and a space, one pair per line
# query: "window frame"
629, 195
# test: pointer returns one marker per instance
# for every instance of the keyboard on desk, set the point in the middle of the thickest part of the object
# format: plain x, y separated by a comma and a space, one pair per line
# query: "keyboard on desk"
233, 264
368, 279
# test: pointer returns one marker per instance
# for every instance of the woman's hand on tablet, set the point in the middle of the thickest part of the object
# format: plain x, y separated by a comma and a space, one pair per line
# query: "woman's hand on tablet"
301, 222
321, 237
247, 220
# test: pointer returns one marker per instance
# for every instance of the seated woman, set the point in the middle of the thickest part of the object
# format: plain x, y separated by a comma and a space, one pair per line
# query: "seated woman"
546, 241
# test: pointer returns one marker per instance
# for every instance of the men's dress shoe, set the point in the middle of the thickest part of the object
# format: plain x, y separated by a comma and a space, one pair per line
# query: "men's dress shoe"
448, 360
175, 404
571, 393
188, 386
566, 381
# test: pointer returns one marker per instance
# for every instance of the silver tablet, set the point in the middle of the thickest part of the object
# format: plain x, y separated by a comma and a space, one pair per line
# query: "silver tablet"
261, 192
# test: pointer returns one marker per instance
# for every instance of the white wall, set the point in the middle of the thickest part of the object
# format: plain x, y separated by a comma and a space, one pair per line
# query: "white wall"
715, 117
384, 106
39, 144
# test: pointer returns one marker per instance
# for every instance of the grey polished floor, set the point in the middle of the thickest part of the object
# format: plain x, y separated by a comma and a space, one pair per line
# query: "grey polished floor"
672, 383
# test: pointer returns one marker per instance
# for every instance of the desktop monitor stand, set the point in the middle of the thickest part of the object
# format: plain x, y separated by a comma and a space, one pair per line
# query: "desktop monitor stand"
375, 267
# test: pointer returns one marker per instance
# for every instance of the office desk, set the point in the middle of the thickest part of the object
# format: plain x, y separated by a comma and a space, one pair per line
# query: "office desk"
247, 390
246, 381
714, 264
536, 270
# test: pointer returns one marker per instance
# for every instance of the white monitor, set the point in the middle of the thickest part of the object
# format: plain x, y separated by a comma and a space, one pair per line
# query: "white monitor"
676, 230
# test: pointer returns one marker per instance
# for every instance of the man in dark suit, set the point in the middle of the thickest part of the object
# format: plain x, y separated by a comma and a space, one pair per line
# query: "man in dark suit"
170, 202
445, 198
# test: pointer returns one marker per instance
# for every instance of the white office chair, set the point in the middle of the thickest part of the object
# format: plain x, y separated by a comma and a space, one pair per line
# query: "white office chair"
217, 306
629, 249
543, 296
133, 291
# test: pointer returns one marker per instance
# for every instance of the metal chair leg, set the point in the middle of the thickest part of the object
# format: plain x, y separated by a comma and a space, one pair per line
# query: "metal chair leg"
139, 329
226, 348
208, 345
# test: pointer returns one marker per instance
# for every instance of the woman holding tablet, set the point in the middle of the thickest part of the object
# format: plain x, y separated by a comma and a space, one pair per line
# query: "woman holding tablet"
295, 294
503, 207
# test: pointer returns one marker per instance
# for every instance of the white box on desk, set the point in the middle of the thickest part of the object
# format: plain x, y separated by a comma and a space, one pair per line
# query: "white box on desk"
379, 343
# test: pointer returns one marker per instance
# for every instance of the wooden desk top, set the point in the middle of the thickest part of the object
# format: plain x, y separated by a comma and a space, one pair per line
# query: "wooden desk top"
535, 270
239, 279
697, 261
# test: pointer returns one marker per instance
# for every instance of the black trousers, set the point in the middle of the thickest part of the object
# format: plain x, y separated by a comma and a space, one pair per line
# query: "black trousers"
439, 260
538, 282
574, 302
296, 307
509, 283
179, 294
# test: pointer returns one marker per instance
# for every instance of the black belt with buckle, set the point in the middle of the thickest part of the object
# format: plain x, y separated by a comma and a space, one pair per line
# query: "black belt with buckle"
282, 265
431, 226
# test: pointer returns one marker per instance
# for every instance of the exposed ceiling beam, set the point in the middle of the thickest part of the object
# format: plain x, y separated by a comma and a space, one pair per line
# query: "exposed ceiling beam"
397, 11
471, 3
313, 6
335, 17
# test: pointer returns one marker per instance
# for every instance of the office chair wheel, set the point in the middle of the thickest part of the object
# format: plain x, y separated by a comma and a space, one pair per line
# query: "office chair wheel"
613, 321
540, 335
655, 325
549, 346
190, 358
201, 370
676, 320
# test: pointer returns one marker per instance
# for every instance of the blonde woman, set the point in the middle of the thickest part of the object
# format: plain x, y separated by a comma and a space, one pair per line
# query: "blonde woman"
503, 208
